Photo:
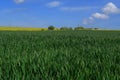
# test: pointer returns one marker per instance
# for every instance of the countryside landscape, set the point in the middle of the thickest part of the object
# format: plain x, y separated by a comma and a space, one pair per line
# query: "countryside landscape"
64, 50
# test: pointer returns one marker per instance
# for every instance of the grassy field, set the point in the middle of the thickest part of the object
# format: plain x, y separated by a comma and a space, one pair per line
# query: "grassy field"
60, 55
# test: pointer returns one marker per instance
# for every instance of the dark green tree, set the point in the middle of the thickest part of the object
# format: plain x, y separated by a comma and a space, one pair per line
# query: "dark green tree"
51, 28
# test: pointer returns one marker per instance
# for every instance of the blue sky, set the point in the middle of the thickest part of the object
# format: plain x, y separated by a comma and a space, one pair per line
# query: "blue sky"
71, 13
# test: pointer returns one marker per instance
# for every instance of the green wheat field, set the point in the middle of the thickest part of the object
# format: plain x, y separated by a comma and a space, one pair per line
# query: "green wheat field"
60, 55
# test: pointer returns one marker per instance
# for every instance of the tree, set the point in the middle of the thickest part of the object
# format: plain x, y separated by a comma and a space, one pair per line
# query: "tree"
51, 28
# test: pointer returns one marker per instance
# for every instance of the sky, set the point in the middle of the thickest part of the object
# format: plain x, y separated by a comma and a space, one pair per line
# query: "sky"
103, 14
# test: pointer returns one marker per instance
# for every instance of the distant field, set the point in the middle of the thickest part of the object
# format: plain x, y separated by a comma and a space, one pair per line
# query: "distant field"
60, 55
21, 29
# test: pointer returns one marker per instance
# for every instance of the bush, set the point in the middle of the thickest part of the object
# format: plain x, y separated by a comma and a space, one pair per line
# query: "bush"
96, 28
79, 28
65, 28
42, 29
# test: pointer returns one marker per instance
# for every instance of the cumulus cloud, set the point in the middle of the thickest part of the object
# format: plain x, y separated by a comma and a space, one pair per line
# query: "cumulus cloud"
100, 16
110, 8
94, 16
53, 4
19, 1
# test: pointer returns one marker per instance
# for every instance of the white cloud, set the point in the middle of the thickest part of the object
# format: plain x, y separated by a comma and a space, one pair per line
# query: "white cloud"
91, 18
94, 16
111, 8
88, 21
54, 4
19, 1
76, 8
100, 16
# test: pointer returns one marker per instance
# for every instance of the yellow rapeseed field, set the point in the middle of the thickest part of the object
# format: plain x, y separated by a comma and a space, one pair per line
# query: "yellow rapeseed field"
21, 29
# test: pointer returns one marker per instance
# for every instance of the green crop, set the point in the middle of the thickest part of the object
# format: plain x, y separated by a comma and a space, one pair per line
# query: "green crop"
60, 55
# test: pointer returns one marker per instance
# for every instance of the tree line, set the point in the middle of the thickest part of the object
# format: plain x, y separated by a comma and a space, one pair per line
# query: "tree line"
70, 28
